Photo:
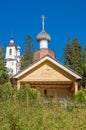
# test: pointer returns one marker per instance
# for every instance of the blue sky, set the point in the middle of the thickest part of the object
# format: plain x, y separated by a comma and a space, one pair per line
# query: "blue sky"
64, 18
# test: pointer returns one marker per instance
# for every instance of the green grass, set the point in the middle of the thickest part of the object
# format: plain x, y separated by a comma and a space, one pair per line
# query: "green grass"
18, 111
40, 116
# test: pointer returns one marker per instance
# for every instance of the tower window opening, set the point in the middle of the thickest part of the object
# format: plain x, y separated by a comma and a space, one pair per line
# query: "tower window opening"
10, 52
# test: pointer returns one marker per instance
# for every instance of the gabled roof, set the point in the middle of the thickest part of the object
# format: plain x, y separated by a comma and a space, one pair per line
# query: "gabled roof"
38, 62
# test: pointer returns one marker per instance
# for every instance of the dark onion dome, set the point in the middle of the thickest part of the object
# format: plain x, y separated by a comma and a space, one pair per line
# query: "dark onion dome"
43, 36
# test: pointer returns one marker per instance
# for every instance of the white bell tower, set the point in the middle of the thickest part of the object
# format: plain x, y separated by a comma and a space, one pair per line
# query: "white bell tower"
12, 58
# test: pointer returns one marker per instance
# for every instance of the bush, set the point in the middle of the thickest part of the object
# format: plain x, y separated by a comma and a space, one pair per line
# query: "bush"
6, 91
80, 96
34, 93
29, 92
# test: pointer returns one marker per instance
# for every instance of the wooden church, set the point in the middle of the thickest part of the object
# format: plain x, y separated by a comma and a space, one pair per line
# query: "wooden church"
46, 74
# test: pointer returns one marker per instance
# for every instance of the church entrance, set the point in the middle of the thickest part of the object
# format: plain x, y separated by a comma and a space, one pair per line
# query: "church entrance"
53, 89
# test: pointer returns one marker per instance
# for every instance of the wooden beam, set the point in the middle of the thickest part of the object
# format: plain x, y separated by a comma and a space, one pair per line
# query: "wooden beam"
76, 87
18, 85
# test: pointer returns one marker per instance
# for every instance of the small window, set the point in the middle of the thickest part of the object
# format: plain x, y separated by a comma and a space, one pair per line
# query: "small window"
10, 51
45, 92
12, 63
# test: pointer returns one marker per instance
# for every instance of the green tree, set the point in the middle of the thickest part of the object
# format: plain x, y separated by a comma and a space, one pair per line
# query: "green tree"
27, 57
73, 56
84, 66
3, 71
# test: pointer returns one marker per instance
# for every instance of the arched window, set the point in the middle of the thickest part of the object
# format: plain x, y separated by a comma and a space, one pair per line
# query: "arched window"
10, 51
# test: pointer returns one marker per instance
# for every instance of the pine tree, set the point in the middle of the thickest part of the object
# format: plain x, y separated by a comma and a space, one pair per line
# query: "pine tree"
84, 67
73, 56
3, 71
27, 57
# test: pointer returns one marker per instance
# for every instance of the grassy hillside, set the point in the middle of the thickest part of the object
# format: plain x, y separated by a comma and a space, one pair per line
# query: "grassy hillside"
26, 110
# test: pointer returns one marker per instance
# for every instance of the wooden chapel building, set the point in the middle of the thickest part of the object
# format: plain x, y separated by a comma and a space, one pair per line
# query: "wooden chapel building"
48, 75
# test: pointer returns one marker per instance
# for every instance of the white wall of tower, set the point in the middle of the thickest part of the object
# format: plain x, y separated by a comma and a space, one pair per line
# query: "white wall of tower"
11, 67
13, 54
18, 51
43, 44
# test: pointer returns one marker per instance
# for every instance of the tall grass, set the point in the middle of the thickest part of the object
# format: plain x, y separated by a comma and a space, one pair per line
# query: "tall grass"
21, 110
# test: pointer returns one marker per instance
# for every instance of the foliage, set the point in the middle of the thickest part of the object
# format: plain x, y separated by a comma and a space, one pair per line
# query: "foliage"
34, 93
84, 67
27, 57
3, 71
6, 91
1, 53
28, 92
80, 96
19, 112
75, 58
